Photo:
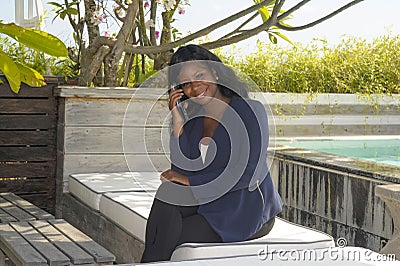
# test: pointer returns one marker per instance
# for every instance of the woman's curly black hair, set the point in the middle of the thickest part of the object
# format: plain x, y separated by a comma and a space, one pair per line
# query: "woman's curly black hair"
228, 83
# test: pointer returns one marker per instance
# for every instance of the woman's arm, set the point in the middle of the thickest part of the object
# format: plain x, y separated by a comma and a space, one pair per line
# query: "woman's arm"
173, 176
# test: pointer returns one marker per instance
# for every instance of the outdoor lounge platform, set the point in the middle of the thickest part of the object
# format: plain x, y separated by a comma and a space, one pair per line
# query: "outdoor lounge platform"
119, 223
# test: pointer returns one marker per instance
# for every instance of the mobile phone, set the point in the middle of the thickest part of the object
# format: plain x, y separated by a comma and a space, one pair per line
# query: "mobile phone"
179, 103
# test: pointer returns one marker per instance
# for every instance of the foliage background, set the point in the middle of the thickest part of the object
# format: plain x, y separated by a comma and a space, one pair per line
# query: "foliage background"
352, 66
45, 65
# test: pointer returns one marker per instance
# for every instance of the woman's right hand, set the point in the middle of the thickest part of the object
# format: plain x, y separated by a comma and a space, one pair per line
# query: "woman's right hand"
177, 118
174, 96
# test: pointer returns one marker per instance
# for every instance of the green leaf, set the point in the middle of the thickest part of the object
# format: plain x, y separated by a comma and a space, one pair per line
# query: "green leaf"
63, 14
54, 4
272, 38
35, 39
72, 11
284, 37
264, 13
30, 76
11, 71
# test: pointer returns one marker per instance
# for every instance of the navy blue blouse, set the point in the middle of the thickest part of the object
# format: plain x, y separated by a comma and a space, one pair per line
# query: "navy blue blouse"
233, 186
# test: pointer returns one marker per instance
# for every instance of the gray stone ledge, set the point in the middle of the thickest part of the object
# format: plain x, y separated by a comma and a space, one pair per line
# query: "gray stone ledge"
390, 194
377, 171
266, 97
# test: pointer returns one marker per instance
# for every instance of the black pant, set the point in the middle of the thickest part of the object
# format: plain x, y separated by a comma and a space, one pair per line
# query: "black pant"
170, 225
264, 230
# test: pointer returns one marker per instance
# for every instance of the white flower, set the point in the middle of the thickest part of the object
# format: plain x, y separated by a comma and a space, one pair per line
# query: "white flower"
181, 11
98, 18
149, 23
128, 2
169, 4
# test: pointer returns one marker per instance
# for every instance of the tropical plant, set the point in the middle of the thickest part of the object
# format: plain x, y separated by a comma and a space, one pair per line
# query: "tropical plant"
15, 72
354, 65
103, 53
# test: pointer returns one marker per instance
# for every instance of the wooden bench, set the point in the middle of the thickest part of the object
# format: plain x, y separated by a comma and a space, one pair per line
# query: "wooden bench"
15, 209
52, 242
31, 236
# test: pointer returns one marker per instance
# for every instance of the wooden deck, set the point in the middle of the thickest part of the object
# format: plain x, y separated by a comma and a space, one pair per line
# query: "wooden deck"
31, 236
121, 243
14, 209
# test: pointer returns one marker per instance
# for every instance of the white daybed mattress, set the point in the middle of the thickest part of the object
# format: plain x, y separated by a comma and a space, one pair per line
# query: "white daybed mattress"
283, 236
89, 187
131, 209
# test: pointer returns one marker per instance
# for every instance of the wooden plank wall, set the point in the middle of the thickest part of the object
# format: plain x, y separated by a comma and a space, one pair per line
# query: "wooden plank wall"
96, 136
28, 122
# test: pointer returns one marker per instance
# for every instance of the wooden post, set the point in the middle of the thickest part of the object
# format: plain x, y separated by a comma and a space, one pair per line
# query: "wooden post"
390, 194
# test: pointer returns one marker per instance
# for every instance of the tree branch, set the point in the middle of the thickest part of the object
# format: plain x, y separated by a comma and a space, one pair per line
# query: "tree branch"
124, 34
95, 65
92, 29
240, 26
290, 11
71, 20
309, 25
191, 37
249, 33
112, 59
142, 25
153, 13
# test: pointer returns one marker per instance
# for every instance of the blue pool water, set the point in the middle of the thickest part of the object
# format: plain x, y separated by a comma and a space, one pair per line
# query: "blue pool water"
377, 150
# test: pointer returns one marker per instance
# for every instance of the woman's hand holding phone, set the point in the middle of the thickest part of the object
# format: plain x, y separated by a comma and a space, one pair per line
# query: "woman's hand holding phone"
178, 118
174, 96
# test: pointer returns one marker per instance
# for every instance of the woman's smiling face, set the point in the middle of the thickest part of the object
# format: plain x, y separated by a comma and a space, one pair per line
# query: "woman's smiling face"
198, 82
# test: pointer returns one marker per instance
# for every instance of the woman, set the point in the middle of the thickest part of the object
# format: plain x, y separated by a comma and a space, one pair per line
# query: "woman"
218, 144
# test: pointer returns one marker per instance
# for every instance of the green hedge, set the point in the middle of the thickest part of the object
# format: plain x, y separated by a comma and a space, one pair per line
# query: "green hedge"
352, 66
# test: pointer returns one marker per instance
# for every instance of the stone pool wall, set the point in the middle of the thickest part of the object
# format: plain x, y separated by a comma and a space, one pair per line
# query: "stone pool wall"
335, 194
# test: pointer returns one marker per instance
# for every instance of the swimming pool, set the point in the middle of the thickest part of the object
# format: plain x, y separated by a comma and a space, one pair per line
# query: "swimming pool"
381, 150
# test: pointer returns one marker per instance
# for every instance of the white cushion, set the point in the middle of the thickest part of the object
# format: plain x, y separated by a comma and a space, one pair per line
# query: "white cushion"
130, 210
89, 187
284, 235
